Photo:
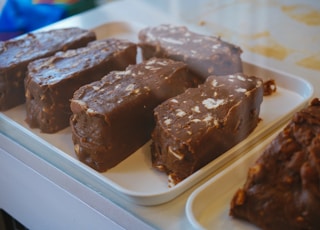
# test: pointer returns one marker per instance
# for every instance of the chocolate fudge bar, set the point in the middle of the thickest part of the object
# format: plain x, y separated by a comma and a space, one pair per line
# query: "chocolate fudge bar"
113, 117
51, 81
16, 54
282, 190
199, 125
205, 55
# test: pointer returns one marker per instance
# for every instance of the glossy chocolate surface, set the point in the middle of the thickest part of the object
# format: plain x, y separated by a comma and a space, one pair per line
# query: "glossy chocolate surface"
16, 54
113, 117
51, 81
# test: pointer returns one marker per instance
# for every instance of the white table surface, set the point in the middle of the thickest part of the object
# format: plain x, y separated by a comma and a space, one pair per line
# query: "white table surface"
42, 197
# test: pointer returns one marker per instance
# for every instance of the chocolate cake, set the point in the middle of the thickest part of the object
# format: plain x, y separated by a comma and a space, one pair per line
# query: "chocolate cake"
16, 54
199, 125
51, 81
282, 190
205, 55
113, 117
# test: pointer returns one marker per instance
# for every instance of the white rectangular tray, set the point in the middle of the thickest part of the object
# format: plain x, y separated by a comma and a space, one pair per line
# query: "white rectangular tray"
134, 178
208, 206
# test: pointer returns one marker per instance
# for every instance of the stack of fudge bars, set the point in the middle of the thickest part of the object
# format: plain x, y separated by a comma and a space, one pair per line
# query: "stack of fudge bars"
186, 94
190, 126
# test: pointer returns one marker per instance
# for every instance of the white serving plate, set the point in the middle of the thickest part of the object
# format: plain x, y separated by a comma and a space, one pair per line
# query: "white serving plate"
208, 206
134, 178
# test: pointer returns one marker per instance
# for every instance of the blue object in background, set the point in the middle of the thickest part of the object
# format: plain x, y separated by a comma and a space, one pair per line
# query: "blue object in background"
22, 16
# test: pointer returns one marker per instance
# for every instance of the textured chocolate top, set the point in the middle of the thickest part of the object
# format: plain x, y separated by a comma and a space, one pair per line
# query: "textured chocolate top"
38, 44
103, 96
62, 65
181, 41
205, 55
190, 114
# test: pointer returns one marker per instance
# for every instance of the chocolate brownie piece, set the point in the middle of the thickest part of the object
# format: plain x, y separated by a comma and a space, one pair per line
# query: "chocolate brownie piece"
282, 190
205, 55
199, 125
113, 117
51, 81
16, 54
